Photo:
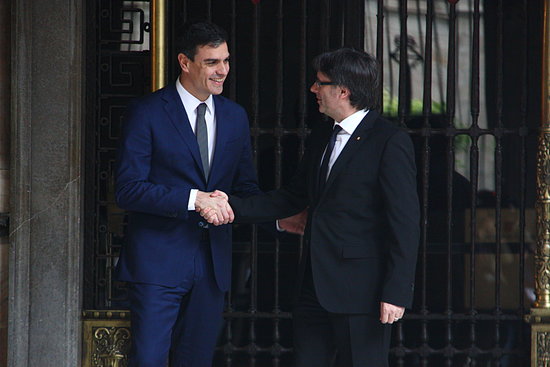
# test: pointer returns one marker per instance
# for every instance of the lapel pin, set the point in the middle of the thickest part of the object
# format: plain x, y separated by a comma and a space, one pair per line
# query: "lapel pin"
358, 138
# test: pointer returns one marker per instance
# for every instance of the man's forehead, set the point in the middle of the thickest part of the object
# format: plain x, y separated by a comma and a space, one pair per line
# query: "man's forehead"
211, 52
321, 75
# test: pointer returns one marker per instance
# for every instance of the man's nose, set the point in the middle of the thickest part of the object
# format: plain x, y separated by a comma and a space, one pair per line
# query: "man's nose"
313, 88
223, 68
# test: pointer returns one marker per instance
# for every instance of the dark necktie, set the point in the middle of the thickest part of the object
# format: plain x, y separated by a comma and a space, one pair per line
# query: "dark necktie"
323, 171
202, 138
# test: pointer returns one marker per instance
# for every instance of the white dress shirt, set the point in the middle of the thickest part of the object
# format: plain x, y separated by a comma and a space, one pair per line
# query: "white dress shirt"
348, 125
190, 103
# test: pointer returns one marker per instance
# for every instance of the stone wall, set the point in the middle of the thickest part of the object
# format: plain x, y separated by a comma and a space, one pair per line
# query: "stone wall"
45, 212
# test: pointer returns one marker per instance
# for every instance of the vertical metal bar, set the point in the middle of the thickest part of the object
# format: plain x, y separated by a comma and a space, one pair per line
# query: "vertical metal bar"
158, 44
450, 111
302, 93
380, 51
255, 143
498, 172
403, 96
325, 25
426, 112
419, 24
229, 347
233, 51
353, 23
209, 10
404, 75
228, 350
474, 174
523, 132
278, 132
185, 12
343, 25
400, 337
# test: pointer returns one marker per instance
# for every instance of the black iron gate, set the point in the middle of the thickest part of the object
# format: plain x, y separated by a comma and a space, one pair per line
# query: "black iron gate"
467, 92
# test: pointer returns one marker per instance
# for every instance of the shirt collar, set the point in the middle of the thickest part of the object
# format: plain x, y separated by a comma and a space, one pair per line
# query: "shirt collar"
190, 102
350, 123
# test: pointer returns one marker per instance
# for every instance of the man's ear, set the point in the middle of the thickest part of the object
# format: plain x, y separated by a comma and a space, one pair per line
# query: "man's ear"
183, 61
344, 92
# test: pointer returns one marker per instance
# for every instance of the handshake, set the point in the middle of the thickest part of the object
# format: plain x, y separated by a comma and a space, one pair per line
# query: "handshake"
214, 207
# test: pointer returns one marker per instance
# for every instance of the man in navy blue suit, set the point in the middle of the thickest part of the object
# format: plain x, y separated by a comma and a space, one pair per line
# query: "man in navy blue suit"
178, 144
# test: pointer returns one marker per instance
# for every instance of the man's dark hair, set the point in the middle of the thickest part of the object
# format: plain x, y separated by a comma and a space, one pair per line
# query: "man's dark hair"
199, 34
354, 69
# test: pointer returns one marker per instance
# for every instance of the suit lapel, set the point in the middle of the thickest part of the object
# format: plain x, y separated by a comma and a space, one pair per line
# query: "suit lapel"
178, 117
223, 132
355, 141
316, 158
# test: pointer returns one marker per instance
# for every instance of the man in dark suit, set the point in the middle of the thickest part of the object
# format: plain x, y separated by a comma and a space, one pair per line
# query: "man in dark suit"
359, 185
177, 144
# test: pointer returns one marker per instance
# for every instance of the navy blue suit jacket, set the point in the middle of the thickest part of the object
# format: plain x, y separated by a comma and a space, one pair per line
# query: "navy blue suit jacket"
158, 164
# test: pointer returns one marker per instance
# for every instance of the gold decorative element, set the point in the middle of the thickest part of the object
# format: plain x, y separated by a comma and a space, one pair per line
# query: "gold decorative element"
106, 337
158, 44
540, 337
542, 206
543, 349
540, 315
111, 345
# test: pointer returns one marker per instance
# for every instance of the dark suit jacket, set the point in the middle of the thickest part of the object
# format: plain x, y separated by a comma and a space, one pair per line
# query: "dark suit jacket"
158, 164
363, 229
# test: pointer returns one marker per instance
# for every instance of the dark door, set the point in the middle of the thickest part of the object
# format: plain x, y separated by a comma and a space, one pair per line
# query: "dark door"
462, 77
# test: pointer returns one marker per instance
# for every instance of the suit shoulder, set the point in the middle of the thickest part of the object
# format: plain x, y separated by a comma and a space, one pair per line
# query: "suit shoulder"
389, 128
228, 104
151, 101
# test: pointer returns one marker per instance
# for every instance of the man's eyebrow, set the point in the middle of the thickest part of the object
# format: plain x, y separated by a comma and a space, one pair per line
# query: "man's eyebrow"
215, 60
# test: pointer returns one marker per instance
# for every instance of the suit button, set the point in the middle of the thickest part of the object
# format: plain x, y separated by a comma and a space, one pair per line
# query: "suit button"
201, 224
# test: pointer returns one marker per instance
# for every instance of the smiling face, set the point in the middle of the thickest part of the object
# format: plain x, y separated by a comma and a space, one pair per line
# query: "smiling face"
206, 73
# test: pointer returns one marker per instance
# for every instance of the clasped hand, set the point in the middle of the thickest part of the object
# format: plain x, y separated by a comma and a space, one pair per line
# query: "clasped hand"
214, 207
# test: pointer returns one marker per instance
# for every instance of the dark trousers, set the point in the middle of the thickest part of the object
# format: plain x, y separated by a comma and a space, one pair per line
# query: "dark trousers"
326, 339
181, 323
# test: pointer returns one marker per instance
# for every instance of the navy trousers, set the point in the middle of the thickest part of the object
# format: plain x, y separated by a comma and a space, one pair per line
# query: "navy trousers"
179, 324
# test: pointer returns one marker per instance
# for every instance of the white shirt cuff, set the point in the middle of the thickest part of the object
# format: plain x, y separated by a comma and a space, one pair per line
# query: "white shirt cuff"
192, 199
277, 226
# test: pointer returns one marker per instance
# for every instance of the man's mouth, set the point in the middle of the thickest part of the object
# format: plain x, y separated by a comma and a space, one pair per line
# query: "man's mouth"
218, 80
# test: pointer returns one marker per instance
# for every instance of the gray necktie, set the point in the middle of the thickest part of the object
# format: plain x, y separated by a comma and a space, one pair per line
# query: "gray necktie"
202, 138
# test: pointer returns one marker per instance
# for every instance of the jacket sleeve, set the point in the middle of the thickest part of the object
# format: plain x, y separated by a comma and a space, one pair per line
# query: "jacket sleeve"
398, 182
134, 191
284, 202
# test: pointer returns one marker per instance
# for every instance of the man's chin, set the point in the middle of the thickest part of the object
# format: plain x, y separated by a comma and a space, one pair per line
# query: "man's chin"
216, 91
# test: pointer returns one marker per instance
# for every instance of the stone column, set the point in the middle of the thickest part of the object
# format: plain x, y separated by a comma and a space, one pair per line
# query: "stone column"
4, 172
45, 256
